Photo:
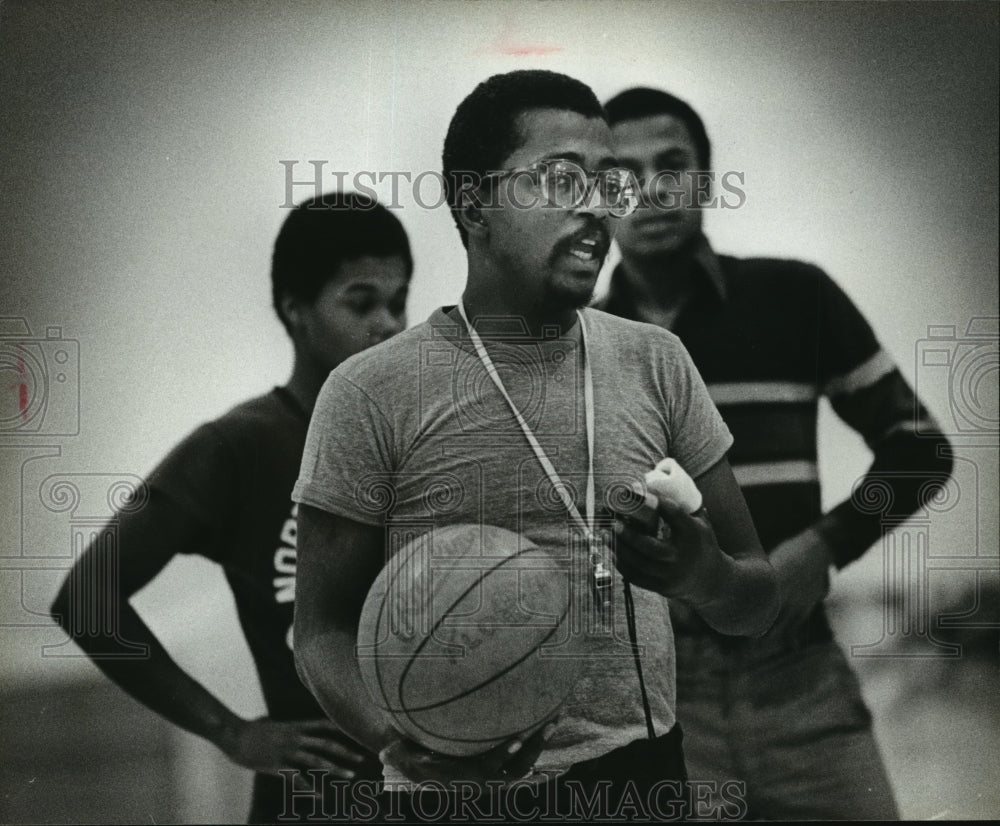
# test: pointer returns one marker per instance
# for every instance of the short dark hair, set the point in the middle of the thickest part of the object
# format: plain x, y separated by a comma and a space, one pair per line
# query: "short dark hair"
322, 233
483, 130
643, 102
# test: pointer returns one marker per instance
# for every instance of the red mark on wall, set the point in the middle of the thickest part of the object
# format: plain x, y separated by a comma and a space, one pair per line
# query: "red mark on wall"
22, 387
511, 43
527, 50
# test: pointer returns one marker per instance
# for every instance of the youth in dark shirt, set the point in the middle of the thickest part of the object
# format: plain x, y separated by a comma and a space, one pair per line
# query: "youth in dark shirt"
340, 276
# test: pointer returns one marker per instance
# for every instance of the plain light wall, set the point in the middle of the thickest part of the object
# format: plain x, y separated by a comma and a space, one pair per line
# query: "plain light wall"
142, 183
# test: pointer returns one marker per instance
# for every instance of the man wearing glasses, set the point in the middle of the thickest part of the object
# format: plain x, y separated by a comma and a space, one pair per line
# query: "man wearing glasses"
510, 395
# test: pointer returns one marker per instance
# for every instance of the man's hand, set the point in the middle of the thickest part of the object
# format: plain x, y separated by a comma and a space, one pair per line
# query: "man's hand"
802, 564
719, 569
269, 746
507, 762
683, 561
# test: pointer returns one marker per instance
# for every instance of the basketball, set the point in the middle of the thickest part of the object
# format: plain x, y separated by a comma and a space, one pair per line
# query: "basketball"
465, 638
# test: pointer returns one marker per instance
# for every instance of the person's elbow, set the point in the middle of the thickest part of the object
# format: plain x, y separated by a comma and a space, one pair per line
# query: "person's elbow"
79, 611
59, 608
315, 652
942, 457
917, 466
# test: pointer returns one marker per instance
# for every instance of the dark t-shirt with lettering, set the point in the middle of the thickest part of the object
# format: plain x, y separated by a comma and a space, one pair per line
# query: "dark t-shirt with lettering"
233, 477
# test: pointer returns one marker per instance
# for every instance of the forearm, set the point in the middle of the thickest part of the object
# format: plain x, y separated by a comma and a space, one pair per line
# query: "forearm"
328, 666
902, 478
905, 469
740, 598
153, 677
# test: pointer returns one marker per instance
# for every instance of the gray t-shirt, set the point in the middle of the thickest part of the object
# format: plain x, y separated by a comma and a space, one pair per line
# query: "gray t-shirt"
413, 434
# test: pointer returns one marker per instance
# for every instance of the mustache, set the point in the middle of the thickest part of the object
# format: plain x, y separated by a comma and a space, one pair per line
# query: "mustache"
595, 232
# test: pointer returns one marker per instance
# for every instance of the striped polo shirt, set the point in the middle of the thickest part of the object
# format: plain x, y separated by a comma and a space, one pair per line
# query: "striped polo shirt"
770, 337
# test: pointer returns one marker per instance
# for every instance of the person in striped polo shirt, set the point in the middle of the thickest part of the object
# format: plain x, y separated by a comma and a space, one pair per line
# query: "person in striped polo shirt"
782, 713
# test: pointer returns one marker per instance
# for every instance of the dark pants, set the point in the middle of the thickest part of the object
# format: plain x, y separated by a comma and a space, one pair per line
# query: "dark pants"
645, 781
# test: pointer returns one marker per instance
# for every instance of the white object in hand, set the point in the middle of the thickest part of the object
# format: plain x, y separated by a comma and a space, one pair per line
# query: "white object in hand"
669, 482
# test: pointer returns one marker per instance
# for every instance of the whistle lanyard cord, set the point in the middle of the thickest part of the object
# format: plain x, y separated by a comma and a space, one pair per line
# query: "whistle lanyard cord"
634, 640
588, 403
561, 490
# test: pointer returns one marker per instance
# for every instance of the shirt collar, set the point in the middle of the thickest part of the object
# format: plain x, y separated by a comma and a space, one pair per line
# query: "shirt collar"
620, 302
705, 257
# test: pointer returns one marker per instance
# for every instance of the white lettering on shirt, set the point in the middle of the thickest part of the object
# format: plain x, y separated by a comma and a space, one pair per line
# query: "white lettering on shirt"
284, 565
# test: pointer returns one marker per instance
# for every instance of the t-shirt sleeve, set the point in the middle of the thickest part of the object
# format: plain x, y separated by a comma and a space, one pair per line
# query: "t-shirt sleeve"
346, 465
200, 477
699, 437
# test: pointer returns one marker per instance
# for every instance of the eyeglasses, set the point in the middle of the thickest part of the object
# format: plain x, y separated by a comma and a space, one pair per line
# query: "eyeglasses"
566, 185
